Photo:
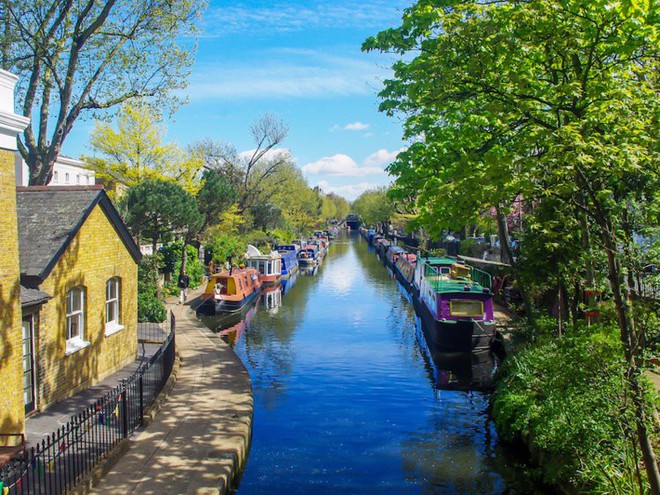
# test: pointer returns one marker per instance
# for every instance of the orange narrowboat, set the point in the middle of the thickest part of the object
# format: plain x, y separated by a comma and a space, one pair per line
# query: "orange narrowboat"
228, 292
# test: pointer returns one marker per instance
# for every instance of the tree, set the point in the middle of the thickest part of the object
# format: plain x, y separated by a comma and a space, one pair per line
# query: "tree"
549, 99
89, 56
248, 171
155, 209
214, 197
373, 207
135, 151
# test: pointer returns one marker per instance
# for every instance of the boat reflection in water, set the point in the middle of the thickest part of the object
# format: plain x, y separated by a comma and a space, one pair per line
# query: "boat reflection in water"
287, 284
467, 371
232, 325
308, 270
271, 298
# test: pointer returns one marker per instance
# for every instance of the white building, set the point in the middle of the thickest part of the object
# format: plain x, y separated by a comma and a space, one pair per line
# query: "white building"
67, 172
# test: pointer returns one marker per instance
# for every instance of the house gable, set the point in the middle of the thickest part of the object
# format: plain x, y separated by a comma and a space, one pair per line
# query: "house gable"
48, 221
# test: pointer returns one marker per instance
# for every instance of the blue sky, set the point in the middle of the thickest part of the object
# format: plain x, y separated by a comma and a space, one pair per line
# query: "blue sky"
300, 61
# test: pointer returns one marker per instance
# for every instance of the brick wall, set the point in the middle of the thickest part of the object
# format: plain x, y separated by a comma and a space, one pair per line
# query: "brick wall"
95, 255
12, 418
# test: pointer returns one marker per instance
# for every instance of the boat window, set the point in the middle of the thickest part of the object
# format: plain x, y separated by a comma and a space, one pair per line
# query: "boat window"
240, 285
466, 308
445, 270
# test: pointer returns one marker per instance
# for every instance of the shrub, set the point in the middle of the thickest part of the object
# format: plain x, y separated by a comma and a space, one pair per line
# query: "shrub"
172, 264
472, 248
566, 399
150, 307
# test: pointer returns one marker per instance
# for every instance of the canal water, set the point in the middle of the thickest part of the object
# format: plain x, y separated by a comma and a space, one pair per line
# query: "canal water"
349, 397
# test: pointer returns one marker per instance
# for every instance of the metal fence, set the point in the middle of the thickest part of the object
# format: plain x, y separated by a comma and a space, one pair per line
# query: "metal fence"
57, 463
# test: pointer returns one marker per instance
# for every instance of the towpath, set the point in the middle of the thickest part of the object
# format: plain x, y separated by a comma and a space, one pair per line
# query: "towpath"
199, 440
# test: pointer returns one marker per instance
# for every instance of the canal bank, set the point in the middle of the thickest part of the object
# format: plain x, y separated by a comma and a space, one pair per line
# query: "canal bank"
199, 441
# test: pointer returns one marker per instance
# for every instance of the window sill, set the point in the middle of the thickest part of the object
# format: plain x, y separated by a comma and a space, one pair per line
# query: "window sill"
75, 345
113, 328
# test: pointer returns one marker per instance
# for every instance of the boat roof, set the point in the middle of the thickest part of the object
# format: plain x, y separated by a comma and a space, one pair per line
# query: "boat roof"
397, 249
440, 260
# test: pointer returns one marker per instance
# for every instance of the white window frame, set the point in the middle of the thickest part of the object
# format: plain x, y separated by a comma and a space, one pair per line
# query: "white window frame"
76, 342
114, 325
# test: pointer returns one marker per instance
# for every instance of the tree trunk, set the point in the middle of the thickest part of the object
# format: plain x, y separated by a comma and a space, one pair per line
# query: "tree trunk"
626, 326
590, 299
184, 257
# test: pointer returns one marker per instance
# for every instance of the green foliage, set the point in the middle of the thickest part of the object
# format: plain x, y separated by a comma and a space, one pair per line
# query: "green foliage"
471, 248
215, 196
87, 57
135, 151
155, 208
224, 245
373, 207
150, 307
259, 239
280, 236
171, 255
567, 400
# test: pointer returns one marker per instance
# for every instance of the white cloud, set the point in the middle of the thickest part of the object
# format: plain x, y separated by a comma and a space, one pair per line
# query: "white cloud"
382, 158
350, 191
356, 126
270, 154
340, 165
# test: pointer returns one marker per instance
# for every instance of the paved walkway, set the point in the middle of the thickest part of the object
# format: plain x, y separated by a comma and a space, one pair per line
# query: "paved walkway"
199, 440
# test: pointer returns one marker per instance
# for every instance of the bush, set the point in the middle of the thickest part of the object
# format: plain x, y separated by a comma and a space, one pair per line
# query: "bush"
172, 264
150, 307
566, 399
472, 248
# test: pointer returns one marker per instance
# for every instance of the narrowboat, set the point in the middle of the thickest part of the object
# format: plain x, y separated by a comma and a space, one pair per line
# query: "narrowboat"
308, 255
289, 254
456, 302
392, 255
269, 266
229, 292
404, 270
381, 246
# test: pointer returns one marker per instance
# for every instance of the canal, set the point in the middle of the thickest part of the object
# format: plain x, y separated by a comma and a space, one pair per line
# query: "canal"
349, 398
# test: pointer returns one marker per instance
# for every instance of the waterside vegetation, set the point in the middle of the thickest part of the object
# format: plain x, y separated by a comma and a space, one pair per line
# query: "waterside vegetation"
548, 110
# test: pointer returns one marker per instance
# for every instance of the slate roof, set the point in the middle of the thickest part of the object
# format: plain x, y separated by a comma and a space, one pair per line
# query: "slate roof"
30, 297
49, 218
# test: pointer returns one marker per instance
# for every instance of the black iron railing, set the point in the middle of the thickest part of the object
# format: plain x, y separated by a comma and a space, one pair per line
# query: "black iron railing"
60, 461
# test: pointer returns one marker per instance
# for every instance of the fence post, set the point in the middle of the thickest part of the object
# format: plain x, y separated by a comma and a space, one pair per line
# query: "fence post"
124, 412
141, 393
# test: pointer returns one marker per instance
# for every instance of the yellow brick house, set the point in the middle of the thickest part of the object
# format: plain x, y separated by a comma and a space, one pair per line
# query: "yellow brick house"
74, 247
12, 418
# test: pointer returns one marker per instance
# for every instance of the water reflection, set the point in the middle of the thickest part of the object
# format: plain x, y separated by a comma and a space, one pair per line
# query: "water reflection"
271, 298
349, 396
456, 370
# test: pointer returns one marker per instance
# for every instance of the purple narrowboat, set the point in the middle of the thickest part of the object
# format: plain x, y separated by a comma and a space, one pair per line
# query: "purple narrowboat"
456, 302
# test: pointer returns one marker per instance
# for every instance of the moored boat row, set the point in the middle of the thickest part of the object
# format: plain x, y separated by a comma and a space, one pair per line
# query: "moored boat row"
454, 299
230, 291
